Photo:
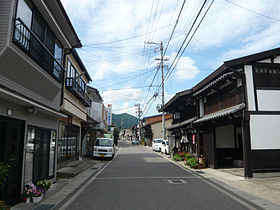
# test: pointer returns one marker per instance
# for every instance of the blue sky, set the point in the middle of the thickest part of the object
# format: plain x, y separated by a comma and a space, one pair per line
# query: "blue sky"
113, 33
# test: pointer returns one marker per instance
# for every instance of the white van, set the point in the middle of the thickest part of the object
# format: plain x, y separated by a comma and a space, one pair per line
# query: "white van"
104, 147
156, 144
165, 147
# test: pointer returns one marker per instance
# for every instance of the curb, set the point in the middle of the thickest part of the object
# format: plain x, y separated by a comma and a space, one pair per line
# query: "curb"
240, 196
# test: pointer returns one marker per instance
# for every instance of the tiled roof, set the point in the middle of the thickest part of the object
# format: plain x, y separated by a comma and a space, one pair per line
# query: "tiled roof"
213, 83
182, 123
222, 113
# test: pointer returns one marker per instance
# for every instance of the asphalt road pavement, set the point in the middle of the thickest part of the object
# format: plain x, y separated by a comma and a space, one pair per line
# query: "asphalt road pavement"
139, 178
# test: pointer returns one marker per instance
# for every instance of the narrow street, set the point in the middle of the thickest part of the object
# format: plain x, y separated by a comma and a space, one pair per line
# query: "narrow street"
139, 178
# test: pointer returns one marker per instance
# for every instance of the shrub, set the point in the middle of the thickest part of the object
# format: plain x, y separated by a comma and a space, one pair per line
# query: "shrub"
193, 163
187, 156
44, 184
4, 172
177, 157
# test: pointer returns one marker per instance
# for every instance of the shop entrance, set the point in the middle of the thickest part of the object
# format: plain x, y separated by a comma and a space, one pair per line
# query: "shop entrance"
11, 152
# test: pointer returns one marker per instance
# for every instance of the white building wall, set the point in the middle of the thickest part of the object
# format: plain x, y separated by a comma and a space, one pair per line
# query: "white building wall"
268, 100
264, 131
250, 87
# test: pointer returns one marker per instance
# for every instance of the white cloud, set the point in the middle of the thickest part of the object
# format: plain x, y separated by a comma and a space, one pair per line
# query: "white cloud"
226, 22
263, 40
123, 100
227, 32
186, 69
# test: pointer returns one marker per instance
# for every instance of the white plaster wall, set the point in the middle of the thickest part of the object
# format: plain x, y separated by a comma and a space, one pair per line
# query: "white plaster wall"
268, 100
157, 129
250, 87
265, 131
277, 59
225, 137
265, 61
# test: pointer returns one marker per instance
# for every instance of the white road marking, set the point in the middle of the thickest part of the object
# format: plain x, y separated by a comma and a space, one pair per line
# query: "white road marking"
69, 201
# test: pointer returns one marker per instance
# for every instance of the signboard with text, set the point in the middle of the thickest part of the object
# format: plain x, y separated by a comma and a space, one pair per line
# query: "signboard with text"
109, 114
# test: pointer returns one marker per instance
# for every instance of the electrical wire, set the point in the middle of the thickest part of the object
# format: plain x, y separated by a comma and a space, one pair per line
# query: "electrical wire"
176, 23
169, 73
249, 10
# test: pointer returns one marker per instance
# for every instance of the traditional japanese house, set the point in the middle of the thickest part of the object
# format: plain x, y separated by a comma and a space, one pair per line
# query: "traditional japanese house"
153, 127
183, 136
239, 112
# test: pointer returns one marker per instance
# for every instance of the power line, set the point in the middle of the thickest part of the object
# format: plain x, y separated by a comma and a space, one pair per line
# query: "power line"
174, 27
266, 16
169, 39
130, 76
168, 74
186, 36
126, 39
159, 17
125, 88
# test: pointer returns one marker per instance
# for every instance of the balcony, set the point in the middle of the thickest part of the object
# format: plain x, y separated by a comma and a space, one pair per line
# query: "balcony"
73, 86
25, 39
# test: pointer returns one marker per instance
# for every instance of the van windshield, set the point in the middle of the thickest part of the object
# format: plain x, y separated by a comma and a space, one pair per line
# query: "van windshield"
158, 141
103, 142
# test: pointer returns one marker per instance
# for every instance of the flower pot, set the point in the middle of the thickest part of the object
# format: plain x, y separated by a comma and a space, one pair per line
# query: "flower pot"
37, 199
28, 200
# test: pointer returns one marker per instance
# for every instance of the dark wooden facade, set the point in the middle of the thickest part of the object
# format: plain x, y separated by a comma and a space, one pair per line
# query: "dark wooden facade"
232, 106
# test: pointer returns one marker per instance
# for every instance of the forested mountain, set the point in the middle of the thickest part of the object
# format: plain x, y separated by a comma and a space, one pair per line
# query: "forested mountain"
124, 120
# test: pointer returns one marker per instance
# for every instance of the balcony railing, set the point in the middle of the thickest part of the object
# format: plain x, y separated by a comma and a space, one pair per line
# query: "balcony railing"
73, 86
25, 39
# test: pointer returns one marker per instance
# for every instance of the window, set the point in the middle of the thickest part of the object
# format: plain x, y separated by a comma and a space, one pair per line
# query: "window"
267, 75
83, 85
24, 12
201, 107
29, 154
52, 153
43, 47
68, 68
177, 115
40, 154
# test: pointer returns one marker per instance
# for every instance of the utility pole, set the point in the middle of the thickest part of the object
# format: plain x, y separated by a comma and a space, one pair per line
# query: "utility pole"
162, 59
139, 112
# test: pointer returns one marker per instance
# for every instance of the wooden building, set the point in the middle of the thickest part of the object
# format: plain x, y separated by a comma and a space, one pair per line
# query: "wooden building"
237, 114
152, 127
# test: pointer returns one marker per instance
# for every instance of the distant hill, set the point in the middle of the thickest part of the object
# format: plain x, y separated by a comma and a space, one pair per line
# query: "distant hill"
124, 120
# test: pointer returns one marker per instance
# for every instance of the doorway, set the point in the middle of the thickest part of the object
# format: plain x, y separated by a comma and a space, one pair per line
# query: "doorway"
11, 153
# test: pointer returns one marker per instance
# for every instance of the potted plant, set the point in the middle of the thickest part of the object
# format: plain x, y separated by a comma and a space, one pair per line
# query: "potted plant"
3, 206
32, 191
27, 192
37, 195
44, 185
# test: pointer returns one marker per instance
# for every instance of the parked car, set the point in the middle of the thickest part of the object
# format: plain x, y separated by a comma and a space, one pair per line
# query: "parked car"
156, 144
104, 147
165, 147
